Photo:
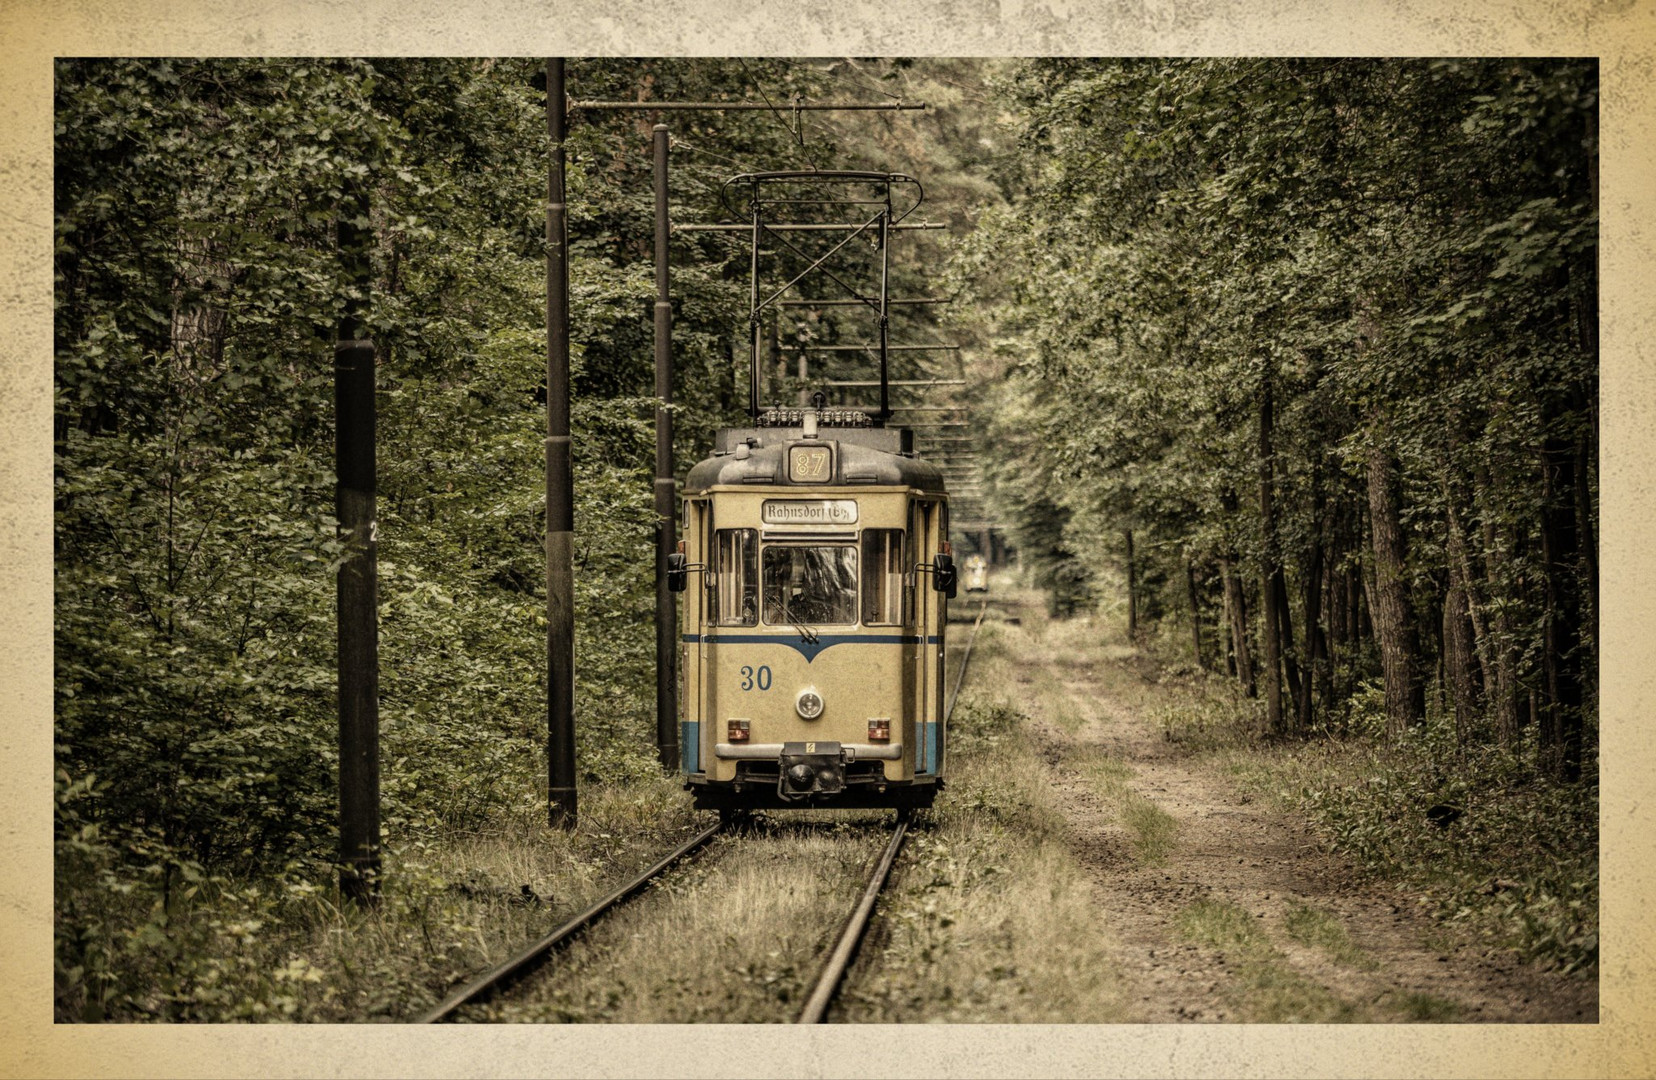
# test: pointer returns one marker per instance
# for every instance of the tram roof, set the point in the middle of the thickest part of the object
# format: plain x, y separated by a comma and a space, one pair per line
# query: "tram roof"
865, 456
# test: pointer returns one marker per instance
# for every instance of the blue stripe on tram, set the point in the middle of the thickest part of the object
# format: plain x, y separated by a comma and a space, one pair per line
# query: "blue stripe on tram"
690, 745
808, 649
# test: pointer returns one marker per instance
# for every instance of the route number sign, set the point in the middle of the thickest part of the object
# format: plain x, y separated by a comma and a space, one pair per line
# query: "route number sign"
810, 464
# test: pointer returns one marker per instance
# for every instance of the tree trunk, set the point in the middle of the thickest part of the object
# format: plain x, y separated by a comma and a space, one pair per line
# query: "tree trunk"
1432, 620
1459, 654
1291, 652
1561, 719
1132, 590
1227, 644
1500, 552
1236, 601
1586, 524
1195, 614
1460, 566
1504, 703
1270, 570
1587, 295
1393, 626
1311, 607
1333, 689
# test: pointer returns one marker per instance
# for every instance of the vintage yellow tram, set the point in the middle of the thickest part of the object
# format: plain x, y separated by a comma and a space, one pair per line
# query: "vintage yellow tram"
816, 575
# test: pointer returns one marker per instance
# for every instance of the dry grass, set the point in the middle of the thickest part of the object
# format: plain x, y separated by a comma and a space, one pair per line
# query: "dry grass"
988, 917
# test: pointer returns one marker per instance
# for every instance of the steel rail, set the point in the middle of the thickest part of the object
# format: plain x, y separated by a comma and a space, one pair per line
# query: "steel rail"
504, 974
833, 973
845, 949
965, 658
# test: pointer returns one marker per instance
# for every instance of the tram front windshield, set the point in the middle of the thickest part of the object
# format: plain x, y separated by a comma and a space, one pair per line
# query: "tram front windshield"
811, 585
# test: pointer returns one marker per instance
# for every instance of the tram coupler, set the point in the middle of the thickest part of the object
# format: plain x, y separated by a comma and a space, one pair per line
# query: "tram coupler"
810, 768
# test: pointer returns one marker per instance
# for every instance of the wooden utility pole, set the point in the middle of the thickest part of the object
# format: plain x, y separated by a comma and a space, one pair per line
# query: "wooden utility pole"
560, 501
357, 582
667, 743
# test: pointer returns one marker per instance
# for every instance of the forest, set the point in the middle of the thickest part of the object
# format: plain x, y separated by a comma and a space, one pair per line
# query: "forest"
1289, 364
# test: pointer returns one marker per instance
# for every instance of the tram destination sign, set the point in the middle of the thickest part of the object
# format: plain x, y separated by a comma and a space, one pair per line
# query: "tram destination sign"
809, 512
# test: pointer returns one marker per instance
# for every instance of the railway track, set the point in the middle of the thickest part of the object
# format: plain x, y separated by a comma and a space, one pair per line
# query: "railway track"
490, 983
503, 975
845, 949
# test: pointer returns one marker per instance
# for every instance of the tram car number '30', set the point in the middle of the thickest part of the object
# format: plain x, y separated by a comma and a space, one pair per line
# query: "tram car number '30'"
816, 574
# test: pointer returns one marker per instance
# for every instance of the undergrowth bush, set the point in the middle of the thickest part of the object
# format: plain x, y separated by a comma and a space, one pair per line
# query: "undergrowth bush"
176, 942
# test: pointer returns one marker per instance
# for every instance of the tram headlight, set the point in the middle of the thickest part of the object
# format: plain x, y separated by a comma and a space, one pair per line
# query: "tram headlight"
808, 704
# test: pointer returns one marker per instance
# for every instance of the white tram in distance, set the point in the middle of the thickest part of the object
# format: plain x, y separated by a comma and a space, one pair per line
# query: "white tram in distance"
816, 574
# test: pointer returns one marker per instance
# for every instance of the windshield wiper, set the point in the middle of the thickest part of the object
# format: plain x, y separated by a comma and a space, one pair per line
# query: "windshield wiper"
806, 633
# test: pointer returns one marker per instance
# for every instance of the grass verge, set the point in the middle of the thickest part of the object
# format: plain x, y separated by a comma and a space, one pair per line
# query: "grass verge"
1323, 931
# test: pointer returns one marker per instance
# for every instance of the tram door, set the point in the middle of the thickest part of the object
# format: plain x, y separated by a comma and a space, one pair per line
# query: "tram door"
692, 646
928, 617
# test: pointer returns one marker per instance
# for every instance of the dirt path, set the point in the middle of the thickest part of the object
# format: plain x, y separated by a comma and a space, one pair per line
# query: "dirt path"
1243, 917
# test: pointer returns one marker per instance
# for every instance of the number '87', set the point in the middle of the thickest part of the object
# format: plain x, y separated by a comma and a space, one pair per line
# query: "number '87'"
761, 678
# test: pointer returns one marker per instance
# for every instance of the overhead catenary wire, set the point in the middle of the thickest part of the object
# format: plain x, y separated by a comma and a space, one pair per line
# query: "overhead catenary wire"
797, 130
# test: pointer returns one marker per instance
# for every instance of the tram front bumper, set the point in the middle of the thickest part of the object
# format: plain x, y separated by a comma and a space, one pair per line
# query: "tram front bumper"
846, 752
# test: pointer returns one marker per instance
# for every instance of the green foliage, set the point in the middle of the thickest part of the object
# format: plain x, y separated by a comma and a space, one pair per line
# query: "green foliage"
1400, 252
218, 947
1519, 862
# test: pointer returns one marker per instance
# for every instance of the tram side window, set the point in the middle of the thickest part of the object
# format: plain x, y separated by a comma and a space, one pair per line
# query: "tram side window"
882, 577
736, 601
